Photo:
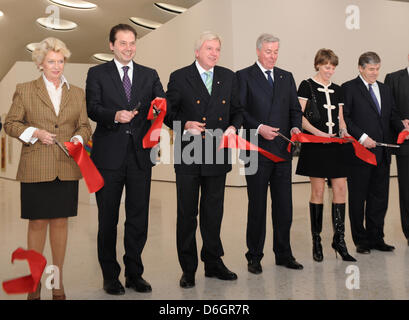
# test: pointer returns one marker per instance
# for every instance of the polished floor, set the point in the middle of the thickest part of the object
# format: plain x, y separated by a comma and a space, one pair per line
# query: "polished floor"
375, 276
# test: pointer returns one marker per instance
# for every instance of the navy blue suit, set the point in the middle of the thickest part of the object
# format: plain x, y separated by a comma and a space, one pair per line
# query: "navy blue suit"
399, 83
276, 107
368, 185
118, 154
189, 100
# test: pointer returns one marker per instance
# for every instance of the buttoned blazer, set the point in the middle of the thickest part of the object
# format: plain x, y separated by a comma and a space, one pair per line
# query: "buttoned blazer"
32, 107
399, 83
277, 107
105, 96
361, 115
189, 100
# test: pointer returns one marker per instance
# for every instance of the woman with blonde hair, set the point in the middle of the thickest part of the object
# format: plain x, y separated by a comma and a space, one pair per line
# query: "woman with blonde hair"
45, 111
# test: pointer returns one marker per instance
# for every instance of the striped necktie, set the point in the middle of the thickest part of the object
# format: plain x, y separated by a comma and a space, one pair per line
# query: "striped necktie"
209, 81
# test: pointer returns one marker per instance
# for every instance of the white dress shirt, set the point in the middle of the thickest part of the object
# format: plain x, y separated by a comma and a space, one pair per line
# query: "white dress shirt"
55, 95
375, 89
121, 71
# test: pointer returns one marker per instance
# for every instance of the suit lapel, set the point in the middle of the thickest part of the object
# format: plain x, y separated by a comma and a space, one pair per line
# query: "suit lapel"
258, 75
216, 85
113, 72
278, 78
196, 82
43, 94
405, 81
366, 94
137, 82
65, 97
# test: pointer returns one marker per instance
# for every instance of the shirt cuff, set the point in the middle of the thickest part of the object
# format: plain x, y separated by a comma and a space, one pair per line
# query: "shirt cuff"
79, 138
27, 135
258, 128
363, 138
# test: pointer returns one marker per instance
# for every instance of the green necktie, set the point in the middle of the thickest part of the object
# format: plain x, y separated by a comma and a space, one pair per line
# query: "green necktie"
209, 81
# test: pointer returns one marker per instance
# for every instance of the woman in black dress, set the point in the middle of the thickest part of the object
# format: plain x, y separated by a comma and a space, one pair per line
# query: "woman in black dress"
325, 160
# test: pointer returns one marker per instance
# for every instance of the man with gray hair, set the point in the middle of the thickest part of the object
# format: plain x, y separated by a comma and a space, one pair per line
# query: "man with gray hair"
271, 106
369, 113
203, 101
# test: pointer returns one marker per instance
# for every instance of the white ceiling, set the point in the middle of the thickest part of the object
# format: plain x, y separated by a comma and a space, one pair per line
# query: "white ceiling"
18, 26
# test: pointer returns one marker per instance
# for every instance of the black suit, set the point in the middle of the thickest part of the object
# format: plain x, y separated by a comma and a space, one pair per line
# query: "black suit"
189, 100
399, 83
118, 154
368, 185
275, 106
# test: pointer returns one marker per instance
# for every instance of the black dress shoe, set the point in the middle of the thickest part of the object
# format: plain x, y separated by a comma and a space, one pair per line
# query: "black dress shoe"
254, 266
219, 271
138, 284
382, 246
363, 249
187, 281
290, 264
114, 287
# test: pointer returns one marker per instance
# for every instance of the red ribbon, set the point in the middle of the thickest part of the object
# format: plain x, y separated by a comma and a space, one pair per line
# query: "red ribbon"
26, 284
151, 138
360, 151
89, 171
233, 141
402, 135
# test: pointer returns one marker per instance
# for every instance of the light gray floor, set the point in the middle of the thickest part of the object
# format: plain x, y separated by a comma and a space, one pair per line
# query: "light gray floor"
381, 275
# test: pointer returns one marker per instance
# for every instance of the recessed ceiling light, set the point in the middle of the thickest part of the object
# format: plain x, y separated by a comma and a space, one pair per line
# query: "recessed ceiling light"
103, 56
77, 4
1, 13
60, 24
31, 46
170, 7
149, 24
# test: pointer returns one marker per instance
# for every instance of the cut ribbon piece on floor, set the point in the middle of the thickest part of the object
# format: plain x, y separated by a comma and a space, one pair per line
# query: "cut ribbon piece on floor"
26, 284
92, 177
151, 138
402, 135
360, 151
233, 141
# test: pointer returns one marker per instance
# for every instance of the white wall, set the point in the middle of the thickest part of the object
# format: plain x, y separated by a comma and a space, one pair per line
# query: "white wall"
303, 27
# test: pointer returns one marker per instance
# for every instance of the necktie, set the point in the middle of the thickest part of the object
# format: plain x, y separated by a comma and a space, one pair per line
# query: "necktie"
209, 81
269, 78
375, 100
127, 83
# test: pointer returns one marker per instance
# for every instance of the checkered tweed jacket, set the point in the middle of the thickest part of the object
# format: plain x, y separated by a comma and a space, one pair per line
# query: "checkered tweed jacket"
32, 107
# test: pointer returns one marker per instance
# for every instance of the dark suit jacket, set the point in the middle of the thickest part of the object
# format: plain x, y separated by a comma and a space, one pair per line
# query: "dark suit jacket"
105, 96
399, 83
361, 115
189, 100
277, 108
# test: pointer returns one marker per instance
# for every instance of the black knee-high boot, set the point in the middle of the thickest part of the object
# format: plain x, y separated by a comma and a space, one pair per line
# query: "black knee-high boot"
316, 228
338, 223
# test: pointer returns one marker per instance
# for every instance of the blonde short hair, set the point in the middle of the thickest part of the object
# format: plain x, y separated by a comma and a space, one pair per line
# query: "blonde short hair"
47, 45
206, 36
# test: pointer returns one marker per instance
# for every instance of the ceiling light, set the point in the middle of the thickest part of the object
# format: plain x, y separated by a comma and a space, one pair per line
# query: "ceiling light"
170, 7
103, 56
149, 24
1, 13
77, 4
57, 24
31, 46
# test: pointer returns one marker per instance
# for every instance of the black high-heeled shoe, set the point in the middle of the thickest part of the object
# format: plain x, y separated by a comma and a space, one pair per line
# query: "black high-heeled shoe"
338, 223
